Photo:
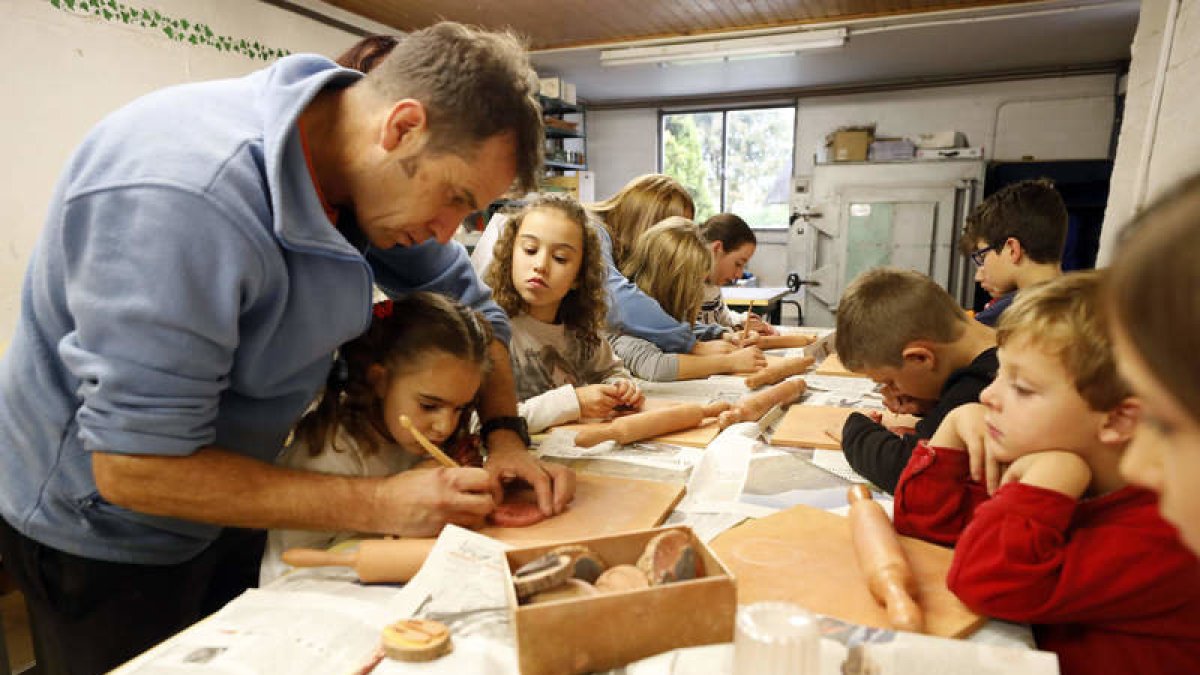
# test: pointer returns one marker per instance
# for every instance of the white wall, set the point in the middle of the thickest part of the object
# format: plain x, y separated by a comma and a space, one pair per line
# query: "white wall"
1047, 119
1174, 149
77, 68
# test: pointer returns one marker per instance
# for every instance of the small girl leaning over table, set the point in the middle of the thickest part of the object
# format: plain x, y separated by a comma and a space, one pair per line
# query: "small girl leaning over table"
548, 274
732, 243
423, 356
670, 263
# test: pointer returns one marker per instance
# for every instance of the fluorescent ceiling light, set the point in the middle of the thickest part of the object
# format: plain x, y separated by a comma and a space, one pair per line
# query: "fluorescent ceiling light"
781, 44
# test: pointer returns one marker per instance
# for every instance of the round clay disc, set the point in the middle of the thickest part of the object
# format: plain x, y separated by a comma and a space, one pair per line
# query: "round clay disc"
622, 578
541, 573
416, 640
586, 564
669, 557
516, 514
571, 588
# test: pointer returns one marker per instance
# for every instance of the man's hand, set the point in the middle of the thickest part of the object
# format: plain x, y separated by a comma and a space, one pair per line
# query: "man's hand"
420, 502
1056, 470
509, 459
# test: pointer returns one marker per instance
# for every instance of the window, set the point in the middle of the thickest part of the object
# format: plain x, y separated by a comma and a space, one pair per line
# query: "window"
738, 161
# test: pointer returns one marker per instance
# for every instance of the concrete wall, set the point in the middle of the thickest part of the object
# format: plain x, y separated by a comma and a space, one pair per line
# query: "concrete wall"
66, 70
1148, 164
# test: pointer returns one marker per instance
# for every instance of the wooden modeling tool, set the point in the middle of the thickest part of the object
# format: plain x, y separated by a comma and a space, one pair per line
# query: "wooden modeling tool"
432, 449
746, 323
882, 561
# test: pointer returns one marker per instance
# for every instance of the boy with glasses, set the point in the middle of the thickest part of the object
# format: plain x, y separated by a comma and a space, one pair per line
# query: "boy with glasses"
1015, 238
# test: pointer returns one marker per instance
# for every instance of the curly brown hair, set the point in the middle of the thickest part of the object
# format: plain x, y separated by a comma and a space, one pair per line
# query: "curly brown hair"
584, 308
402, 333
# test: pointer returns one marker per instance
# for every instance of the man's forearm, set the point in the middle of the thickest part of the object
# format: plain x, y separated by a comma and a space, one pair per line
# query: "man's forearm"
499, 393
223, 488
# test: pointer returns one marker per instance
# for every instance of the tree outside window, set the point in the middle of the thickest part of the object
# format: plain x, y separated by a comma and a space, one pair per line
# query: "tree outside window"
733, 160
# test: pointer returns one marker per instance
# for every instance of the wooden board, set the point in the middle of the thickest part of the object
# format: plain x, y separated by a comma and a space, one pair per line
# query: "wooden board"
603, 505
803, 426
697, 437
832, 365
805, 555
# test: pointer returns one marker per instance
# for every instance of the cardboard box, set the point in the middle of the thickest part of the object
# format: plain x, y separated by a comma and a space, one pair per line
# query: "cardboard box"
941, 139
949, 153
849, 145
891, 149
609, 630
550, 87
581, 185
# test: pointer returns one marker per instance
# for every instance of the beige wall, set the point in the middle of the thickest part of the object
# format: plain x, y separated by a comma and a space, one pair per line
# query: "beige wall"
1173, 150
74, 69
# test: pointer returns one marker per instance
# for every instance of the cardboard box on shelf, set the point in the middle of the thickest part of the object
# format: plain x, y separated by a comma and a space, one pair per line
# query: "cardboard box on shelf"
581, 185
849, 145
550, 87
941, 139
609, 630
890, 149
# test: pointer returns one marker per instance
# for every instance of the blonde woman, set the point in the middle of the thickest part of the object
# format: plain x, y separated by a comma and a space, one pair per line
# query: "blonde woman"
620, 220
669, 264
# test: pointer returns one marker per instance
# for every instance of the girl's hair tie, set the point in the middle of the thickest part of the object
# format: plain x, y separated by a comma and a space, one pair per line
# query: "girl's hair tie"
340, 373
382, 309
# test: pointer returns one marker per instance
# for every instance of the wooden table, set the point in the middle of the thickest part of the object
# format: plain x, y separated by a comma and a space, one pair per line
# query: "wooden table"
768, 299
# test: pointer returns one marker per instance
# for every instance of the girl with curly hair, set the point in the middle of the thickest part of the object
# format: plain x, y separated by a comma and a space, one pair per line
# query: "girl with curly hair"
424, 356
548, 274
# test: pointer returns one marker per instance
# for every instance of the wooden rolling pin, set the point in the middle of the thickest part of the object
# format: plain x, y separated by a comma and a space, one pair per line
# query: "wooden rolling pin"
375, 561
780, 371
882, 561
751, 408
784, 341
651, 423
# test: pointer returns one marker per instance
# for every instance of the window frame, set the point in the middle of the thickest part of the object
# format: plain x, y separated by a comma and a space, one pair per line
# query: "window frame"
725, 110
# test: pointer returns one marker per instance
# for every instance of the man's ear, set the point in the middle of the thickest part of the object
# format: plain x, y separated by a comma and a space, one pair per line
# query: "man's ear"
377, 377
919, 354
405, 117
1121, 422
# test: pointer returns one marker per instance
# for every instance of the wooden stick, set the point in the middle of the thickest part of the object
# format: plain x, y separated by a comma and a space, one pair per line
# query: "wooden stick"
746, 323
429, 447
882, 561
752, 407
780, 371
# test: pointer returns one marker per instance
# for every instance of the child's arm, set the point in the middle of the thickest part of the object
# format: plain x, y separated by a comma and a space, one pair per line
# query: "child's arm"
692, 367
875, 452
550, 408
1023, 558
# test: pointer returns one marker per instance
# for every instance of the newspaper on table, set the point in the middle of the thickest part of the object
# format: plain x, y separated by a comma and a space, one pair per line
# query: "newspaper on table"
322, 622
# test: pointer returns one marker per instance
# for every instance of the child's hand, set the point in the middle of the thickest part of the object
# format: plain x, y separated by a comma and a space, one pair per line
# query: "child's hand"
965, 428
1056, 470
419, 502
747, 359
902, 404
596, 401
629, 394
758, 325
750, 339
712, 348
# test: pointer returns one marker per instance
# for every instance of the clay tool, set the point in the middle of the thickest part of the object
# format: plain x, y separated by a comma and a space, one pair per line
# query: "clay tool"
432, 449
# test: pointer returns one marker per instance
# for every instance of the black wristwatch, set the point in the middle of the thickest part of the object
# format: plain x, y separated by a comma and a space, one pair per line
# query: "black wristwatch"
516, 424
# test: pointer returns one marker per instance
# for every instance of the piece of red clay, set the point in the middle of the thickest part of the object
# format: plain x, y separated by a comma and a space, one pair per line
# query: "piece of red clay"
516, 514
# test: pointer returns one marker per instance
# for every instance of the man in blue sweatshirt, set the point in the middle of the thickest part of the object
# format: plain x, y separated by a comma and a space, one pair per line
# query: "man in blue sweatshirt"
207, 248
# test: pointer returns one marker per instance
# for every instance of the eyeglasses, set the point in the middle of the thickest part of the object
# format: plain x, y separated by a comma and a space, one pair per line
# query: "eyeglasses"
978, 256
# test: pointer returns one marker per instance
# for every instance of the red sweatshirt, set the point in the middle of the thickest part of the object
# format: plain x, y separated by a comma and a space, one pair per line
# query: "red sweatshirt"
1106, 582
